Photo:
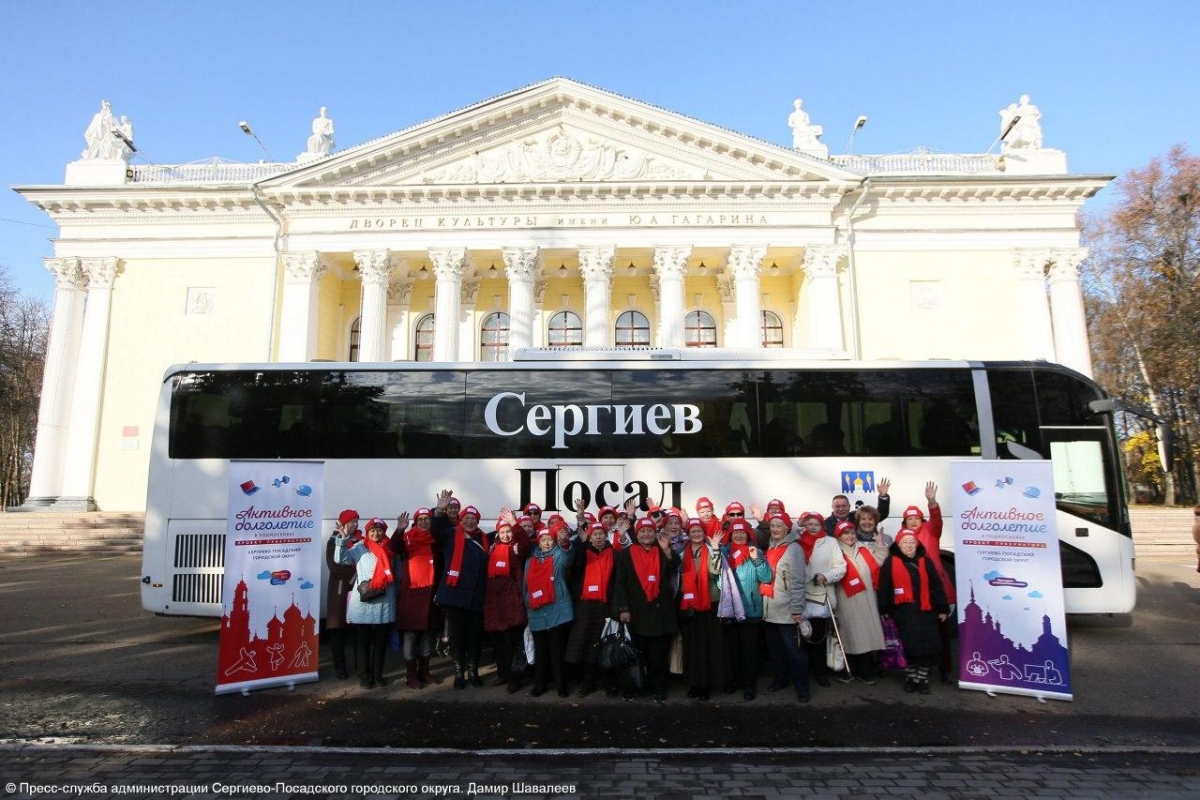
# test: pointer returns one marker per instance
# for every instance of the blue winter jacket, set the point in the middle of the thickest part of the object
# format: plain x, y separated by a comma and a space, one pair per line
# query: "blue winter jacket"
377, 612
562, 610
748, 576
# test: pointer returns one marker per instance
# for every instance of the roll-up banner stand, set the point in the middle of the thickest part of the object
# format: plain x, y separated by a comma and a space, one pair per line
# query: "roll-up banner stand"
1012, 631
272, 589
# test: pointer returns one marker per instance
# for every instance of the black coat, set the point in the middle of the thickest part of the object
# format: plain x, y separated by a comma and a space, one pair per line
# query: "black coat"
884, 507
646, 618
469, 593
918, 629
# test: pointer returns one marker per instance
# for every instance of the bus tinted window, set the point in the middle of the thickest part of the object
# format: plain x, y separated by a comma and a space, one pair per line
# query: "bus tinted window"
877, 412
1014, 410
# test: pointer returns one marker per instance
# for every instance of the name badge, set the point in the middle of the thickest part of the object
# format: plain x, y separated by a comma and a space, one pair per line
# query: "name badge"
652, 578
536, 594
689, 596
855, 582
501, 563
453, 573
898, 591
594, 588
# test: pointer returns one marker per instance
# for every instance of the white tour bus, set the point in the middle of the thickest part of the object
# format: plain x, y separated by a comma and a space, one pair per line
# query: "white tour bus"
665, 426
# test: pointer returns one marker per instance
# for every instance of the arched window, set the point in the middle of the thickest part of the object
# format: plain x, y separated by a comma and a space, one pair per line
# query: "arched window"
564, 330
355, 336
772, 329
633, 330
423, 341
699, 330
493, 337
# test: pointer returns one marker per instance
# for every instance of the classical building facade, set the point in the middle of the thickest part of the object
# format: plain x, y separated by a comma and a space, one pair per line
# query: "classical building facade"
555, 215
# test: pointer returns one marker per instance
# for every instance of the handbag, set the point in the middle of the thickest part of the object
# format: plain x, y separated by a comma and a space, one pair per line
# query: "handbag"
617, 649
834, 657
367, 594
892, 657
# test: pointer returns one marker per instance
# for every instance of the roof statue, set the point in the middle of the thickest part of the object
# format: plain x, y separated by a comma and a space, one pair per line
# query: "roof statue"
321, 143
1022, 122
102, 143
805, 136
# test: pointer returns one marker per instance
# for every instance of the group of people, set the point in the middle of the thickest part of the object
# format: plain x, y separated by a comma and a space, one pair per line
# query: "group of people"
700, 596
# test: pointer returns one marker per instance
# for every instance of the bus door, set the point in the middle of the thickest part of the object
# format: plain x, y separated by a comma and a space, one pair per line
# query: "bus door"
1090, 530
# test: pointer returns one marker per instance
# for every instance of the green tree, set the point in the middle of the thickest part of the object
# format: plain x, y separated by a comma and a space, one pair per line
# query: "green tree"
1143, 297
24, 329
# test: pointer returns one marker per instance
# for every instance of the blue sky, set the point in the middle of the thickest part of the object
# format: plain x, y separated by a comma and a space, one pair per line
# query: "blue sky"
1116, 82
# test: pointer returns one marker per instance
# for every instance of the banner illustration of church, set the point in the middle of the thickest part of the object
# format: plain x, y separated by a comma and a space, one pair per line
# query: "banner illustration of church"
272, 581
1012, 631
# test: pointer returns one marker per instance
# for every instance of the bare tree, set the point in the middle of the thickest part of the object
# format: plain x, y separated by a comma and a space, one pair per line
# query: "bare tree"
1143, 295
24, 328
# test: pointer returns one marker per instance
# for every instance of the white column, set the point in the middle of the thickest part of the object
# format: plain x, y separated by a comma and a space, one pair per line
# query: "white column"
820, 285
375, 267
729, 329
745, 262
58, 382
670, 265
398, 297
301, 296
1034, 309
448, 264
521, 267
468, 323
1066, 307
596, 266
79, 469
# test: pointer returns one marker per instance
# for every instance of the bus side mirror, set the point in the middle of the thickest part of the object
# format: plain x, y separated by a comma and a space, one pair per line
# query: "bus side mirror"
1167, 438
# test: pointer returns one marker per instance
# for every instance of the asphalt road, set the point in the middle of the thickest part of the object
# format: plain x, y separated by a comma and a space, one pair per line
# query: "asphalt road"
82, 663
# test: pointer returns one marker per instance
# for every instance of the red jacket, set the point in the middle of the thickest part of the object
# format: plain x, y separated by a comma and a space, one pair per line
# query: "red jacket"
930, 537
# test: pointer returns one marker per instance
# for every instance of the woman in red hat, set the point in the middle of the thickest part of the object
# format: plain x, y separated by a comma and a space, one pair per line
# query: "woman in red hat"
341, 581
857, 606
825, 566
591, 588
929, 534
372, 616
783, 608
749, 571
911, 593
504, 609
463, 586
699, 599
549, 608
643, 599
417, 619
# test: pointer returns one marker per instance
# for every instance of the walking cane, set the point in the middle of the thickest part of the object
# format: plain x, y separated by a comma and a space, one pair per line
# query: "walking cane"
838, 634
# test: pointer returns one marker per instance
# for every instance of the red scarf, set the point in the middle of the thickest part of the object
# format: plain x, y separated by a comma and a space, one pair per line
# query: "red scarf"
902, 583
616, 540
738, 553
418, 545
852, 584
712, 527
646, 565
597, 574
539, 577
500, 559
773, 556
696, 590
456, 558
807, 542
383, 562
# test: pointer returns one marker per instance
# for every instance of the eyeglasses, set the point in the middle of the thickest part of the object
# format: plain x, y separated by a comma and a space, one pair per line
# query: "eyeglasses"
736, 514
656, 513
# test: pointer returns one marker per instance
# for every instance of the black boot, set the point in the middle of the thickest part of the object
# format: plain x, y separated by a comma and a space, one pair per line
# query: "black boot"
377, 665
423, 673
460, 678
473, 674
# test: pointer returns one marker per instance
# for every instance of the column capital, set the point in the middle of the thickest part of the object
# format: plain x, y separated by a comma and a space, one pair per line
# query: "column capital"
1064, 264
469, 290
521, 263
305, 266
448, 262
399, 293
671, 262
68, 274
101, 272
1030, 264
596, 263
820, 261
745, 261
374, 266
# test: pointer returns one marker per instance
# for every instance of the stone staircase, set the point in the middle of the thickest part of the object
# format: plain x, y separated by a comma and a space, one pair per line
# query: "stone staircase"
100, 533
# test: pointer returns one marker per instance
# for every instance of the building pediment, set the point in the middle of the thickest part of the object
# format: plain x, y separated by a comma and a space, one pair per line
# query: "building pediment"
560, 131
